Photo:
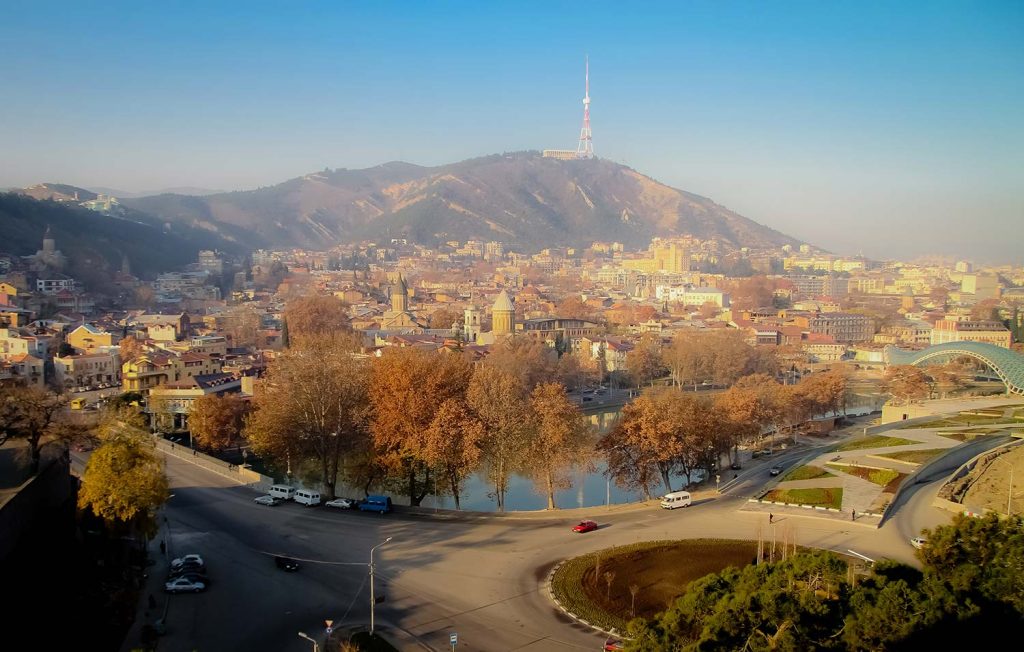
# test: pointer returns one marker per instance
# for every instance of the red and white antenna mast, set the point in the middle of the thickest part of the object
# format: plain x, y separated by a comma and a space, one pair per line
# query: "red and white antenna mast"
586, 147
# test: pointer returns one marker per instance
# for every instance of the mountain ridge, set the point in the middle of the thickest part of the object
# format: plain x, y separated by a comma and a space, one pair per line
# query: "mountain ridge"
522, 199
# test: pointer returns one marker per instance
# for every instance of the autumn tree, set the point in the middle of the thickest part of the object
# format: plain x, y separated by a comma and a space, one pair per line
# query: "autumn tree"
572, 307
124, 481
131, 348
561, 439
645, 362
528, 359
313, 406
315, 314
241, 325
647, 440
500, 401
826, 390
216, 421
452, 444
906, 383
745, 412
29, 413
947, 378
443, 318
688, 361
408, 387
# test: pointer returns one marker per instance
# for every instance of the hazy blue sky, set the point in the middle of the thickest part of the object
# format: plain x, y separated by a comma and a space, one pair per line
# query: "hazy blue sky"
893, 128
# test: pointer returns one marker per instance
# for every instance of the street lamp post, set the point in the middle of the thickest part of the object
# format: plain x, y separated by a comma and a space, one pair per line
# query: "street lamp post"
373, 597
316, 648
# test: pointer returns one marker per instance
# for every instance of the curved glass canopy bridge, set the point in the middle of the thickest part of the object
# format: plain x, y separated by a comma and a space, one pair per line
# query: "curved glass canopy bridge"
1007, 365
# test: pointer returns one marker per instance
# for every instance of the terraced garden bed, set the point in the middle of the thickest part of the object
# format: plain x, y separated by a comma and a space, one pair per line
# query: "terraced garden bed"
875, 441
823, 496
807, 472
914, 457
887, 478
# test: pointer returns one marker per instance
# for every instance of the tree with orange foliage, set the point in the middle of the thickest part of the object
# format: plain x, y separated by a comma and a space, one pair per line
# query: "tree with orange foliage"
500, 402
452, 444
561, 439
407, 388
131, 349
646, 441
216, 421
316, 314
312, 406
528, 359
906, 383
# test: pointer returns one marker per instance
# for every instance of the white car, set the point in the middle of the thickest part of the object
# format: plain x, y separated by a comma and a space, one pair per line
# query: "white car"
341, 503
918, 542
267, 500
188, 559
184, 585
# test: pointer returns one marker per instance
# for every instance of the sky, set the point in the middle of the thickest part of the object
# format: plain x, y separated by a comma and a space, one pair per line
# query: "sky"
889, 129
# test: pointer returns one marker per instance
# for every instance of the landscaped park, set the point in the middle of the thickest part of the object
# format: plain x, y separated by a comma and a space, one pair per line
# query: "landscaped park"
862, 475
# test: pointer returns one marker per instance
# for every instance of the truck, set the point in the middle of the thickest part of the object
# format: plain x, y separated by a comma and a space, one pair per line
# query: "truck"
380, 504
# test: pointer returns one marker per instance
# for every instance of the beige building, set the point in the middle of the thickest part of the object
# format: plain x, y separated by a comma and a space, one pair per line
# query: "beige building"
953, 330
153, 370
88, 369
843, 327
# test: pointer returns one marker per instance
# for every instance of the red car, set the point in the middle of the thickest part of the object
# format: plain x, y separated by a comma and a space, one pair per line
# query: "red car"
612, 644
585, 526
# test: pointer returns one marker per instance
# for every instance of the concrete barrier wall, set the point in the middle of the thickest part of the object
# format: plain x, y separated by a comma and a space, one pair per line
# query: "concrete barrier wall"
231, 471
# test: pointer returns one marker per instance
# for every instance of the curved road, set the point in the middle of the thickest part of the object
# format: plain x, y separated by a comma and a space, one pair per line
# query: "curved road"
479, 576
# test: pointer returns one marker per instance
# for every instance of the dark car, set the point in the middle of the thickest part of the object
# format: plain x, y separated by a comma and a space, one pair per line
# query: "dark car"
735, 466
775, 470
286, 564
190, 567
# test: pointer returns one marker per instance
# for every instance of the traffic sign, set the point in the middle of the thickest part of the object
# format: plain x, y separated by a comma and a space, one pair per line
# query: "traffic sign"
329, 622
453, 638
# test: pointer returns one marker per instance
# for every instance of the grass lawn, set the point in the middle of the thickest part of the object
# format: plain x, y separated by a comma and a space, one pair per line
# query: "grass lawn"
367, 643
660, 571
826, 497
915, 457
875, 441
808, 472
881, 477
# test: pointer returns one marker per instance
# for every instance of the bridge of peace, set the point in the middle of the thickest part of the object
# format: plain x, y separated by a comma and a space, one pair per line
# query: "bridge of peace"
1006, 364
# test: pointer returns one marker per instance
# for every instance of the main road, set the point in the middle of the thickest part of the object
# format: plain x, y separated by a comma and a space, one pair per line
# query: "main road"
480, 576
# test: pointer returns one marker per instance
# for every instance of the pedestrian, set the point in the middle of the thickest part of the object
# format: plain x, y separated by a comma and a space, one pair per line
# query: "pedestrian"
771, 518
853, 515
163, 548
152, 601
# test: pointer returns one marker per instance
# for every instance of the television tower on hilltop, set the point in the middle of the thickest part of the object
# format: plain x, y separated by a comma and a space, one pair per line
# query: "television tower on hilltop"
586, 147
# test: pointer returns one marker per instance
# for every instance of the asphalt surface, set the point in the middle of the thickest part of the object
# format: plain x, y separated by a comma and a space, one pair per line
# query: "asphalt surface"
481, 577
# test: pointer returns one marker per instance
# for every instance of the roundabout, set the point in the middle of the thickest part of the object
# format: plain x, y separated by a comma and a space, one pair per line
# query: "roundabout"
481, 576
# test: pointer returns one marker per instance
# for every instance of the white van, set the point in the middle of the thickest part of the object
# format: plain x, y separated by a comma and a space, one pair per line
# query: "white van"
307, 497
676, 499
282, 491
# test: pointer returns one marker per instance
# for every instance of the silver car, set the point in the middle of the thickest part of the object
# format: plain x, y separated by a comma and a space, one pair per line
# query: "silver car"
267, 500
184, 585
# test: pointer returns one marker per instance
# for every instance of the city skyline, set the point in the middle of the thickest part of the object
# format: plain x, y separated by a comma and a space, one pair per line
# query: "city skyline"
862, 130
